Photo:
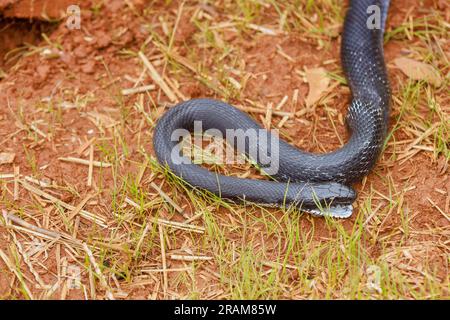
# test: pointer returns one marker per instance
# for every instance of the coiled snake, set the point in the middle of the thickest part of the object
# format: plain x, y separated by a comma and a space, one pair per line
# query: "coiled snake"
317, 183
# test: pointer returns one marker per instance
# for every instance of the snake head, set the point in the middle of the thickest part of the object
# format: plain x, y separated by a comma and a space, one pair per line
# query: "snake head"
329, 198
338, 211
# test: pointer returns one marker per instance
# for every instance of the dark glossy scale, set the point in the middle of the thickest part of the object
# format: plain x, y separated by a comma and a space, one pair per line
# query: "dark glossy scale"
303, 179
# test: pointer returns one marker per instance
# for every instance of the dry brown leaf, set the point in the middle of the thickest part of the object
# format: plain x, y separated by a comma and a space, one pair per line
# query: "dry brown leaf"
374, 278
318, 84
6, 157
419, 71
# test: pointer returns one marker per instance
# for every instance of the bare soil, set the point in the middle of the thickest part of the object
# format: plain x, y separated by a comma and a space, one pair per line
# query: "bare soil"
35, 9
89, 69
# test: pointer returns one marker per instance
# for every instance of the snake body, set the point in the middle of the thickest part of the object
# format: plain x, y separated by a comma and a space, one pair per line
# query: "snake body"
304, 179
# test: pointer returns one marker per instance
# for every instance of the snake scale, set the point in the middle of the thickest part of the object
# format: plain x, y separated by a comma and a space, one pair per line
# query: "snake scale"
306, 180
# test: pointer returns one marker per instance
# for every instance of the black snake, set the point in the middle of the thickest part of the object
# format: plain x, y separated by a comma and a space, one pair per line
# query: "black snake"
309, 181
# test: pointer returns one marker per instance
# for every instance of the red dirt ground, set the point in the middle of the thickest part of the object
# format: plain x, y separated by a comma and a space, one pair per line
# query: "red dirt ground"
35, 9
90, 63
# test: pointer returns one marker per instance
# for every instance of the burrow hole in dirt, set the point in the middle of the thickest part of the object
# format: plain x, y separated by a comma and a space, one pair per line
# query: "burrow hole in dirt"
17, 36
